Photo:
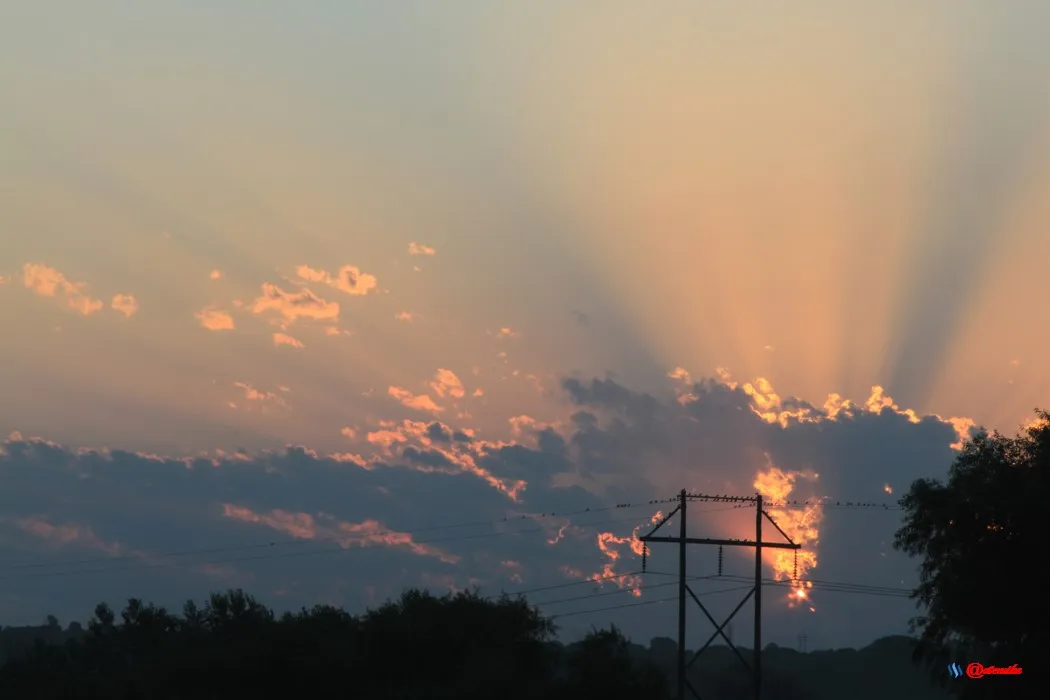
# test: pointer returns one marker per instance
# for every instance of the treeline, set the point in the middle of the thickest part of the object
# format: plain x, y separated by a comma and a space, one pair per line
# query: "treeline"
420, 647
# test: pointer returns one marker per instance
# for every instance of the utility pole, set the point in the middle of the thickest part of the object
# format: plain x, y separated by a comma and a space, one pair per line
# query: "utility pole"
683, 588
681, 595
758, 596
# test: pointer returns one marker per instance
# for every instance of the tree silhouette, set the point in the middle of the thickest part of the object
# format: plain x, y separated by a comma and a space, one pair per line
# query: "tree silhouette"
459, 646
979, 536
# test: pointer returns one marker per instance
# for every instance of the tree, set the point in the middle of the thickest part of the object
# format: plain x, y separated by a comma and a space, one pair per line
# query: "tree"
980, 536
602, 666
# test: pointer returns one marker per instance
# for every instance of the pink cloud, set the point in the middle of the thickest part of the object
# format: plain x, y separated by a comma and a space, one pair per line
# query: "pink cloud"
367, 533
418, 402
420, 249
446, 383
294, 305
348, 279
215, 274
49, 282
461, 457
505, 333
125, 304
406, 316
214, 319
285, 339
68, 534
253, 395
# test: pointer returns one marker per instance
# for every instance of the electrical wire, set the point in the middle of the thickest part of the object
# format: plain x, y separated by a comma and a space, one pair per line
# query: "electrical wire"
288, 555
275, 543
312, 552
644, 602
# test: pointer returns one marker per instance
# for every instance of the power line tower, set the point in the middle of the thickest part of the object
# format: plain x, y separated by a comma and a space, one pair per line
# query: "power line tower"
802, 643
683, 589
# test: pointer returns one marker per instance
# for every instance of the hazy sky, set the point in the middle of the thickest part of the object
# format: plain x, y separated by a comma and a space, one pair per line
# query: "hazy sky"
385, 267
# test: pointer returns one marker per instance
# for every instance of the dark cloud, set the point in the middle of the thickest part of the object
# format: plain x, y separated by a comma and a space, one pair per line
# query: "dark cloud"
60, 505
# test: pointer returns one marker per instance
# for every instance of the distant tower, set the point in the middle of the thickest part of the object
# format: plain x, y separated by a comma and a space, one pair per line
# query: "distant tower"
729, 632
802, 643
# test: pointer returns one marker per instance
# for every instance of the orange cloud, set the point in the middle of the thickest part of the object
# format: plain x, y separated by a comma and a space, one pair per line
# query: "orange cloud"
460, 457
49, 282
505, 333
214, 319
125, 304
446, 383
406, 316
253, 395
348, 279
419, 249
801, 524
770, 407
294, 305
368, 533
418, 402
215, 274
351, 458
285, 339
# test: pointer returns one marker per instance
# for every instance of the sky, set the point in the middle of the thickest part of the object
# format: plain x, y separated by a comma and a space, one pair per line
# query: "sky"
329, 299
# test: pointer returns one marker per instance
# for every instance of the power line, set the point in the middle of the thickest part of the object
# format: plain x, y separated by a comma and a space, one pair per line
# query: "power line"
828, 585
413, 531
613, 607
621, 591
329, 550
644, 602
274, 543
287, 555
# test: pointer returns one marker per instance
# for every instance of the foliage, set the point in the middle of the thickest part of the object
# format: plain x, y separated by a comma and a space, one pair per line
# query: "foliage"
457, 647
978, 537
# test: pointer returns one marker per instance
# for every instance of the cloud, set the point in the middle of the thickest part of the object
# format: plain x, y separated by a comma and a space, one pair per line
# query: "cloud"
406, 316
325, 527
419, 249
505, 333
399, 482
417, 402
285, 339
292, 306
214, 319
49, 282
245, 515
215, 274
446, 383
348, 279
125, 304
68, 534
253, 395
